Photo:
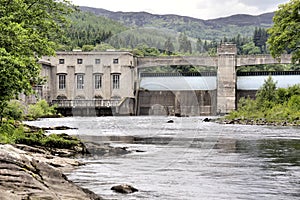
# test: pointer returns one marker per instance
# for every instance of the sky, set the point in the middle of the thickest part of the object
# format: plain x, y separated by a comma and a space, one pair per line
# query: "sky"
201, 9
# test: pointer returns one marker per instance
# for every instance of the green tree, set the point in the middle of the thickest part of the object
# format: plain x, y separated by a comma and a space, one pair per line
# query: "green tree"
87, 47
144, 50
260, 38
285, 34
266, 95
184, 43
199, 46
250, 48
29, 30
103, 47
169, 47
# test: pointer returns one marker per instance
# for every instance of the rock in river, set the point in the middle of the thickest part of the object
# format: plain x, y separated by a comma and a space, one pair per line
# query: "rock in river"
124, 189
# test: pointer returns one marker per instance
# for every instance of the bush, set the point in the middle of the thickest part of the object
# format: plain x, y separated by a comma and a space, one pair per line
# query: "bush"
270, 105
14, 110
40, 109
9, 134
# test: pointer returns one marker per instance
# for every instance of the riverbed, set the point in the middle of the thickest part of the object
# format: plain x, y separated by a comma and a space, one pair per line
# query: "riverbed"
187, 159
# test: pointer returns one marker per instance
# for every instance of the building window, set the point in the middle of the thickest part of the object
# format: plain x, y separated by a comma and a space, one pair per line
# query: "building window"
61, 61
98, 81
116, 61
80, 81
116, 81
61, 82
79, 61
97, 61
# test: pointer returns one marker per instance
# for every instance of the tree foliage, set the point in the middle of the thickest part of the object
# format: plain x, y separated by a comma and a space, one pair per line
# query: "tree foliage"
285, 34
260, 38
89, 29
29, 30
169, 47
266, 94
271, 105
184, 43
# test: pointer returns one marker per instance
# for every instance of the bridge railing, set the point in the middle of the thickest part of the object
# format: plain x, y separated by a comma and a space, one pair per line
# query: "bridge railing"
268, 73
178, 74
85, 103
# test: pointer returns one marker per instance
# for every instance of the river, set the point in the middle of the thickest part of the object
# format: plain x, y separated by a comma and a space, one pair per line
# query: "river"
188, 159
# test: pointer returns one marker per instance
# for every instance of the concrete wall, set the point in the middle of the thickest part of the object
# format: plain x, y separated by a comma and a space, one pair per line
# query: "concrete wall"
145, 62
180, 103
226, 78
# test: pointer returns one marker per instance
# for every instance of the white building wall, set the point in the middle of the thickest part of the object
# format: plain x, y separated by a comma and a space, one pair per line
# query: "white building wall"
111, 62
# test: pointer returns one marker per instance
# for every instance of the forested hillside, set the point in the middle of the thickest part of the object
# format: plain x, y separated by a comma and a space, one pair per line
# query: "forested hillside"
89, 29
148, 34
196, 28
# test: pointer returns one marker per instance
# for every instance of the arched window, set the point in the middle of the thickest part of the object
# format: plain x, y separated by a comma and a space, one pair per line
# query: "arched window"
79, 97
61, 97
98, 97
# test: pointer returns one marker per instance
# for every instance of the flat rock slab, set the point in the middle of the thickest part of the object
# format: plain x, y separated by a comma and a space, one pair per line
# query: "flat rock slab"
25, 176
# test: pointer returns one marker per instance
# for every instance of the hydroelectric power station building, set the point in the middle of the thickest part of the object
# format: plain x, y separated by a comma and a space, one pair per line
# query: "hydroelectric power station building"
111, 83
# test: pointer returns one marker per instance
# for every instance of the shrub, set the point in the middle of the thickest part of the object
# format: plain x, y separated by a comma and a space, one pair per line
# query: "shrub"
14, 110
40, 109
9, 134
270, 105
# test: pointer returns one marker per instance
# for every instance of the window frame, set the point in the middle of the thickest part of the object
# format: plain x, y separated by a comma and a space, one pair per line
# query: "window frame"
79, 61
116, 81
62, 81
80, 82
97, 82
61, 61
97, 61
116, 61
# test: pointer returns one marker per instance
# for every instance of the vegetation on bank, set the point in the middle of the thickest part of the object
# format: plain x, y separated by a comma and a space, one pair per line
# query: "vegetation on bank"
12, 131
271, 106
16, 110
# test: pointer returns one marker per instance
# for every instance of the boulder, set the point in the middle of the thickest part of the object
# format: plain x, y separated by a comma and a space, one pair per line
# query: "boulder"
98, 149
124, 189
24, 175
206, 120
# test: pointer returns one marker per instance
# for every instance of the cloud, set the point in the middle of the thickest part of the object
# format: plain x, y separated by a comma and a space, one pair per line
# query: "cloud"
214, 9
263, 4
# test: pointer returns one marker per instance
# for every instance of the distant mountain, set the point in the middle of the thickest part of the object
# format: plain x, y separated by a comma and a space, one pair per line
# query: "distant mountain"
213, 29
245, 20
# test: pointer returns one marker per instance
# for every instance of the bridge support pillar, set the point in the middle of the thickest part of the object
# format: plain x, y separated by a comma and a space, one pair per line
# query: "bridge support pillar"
226, 78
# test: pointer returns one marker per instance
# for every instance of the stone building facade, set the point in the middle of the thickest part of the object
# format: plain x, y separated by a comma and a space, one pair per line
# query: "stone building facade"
88, 75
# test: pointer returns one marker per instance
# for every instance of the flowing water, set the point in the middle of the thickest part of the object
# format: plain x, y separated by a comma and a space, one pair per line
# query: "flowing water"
188, 159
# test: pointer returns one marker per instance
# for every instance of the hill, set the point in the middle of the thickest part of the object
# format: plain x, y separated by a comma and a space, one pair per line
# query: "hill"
214, 29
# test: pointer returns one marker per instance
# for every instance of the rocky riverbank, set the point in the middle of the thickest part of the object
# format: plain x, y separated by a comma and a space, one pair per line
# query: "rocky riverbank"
259, 122
35, 173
